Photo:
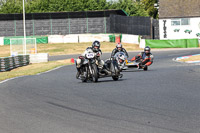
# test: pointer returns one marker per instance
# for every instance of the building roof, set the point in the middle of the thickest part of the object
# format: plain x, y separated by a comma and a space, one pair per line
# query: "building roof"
179, 8
59, 15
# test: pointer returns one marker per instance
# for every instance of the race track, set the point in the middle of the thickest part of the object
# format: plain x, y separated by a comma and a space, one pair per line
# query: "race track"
164, 99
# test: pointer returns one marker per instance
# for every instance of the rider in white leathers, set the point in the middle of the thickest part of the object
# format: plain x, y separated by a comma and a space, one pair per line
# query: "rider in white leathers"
95, 49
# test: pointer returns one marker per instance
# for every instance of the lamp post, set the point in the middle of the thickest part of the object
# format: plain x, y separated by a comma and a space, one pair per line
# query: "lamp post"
24, 28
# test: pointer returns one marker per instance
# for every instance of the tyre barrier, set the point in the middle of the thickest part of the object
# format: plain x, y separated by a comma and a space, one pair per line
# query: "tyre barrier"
9, 63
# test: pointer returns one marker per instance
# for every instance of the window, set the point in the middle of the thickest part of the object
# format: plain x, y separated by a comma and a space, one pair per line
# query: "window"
176, 22
185, 21
181, 21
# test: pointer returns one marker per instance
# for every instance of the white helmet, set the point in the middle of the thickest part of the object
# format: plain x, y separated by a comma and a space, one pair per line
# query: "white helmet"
121, 58
119, 45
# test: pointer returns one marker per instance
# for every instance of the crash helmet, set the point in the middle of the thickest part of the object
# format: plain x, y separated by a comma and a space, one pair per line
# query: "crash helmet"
119, 46
96, 46
147, 50
121, 58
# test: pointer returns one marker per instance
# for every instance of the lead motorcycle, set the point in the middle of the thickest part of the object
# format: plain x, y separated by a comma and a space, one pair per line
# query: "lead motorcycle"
89, 69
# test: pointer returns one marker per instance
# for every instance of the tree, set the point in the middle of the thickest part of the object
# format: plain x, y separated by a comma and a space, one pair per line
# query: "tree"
131, 7
149, 7
11, 6
36, 6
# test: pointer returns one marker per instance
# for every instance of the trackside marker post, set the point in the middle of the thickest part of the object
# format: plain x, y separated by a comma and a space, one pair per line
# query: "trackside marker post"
72, 60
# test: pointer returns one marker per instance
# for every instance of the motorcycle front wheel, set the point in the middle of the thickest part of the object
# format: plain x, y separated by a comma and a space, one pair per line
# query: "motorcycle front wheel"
84, 77
94, 73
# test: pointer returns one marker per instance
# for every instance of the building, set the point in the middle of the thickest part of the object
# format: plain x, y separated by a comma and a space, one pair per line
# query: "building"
179, 19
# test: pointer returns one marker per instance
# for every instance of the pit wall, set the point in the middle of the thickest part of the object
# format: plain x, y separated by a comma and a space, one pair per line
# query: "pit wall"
77, 38
124, 38
84, 38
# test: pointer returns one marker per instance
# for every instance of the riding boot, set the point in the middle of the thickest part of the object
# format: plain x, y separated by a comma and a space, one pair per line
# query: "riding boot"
101, 72
139, 66
106, 71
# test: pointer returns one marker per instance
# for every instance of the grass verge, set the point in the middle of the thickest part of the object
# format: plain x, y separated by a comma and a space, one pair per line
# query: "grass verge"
69, 48
33, 69
78, 48
191, 58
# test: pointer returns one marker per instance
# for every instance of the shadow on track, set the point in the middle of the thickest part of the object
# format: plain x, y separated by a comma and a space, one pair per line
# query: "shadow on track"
103, 81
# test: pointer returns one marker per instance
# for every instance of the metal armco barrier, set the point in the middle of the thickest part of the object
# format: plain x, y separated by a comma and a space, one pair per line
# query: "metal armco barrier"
9, 63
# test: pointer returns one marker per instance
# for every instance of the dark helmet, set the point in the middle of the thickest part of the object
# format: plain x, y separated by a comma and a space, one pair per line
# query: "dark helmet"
96, 44
147, 49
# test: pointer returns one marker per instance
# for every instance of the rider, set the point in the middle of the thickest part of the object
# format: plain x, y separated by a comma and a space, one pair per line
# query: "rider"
146, 58
96, 49
118, 49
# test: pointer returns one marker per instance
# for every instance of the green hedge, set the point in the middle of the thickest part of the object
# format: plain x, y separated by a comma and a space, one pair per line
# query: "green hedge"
178, 43
39, 39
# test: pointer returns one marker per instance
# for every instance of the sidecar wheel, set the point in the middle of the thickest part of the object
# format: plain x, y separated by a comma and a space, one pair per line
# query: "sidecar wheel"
145, 68
115, 78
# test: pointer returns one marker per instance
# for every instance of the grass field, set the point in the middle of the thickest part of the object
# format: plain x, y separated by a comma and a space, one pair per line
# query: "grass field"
69, 48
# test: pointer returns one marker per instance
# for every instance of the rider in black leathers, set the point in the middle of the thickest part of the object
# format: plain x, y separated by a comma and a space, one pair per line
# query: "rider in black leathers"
119, 48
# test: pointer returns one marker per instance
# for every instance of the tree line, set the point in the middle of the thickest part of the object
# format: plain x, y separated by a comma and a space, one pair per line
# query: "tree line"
131, 7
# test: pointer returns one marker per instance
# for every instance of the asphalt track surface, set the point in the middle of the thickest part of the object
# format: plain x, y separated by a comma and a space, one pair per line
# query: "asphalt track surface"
164, 99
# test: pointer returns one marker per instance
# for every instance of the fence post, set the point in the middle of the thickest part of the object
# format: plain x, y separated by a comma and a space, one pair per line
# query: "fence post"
15, 25
69, 22
151, 30
87, 21
33, 25
51, 23
105, 22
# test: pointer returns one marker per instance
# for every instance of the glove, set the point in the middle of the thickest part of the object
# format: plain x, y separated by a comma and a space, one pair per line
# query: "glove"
81, 57
98, 54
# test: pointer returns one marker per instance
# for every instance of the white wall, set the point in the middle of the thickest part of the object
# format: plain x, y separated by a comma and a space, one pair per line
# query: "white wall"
78, 38
127, 38
194, 26
38, 58
1, 40
92, 37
